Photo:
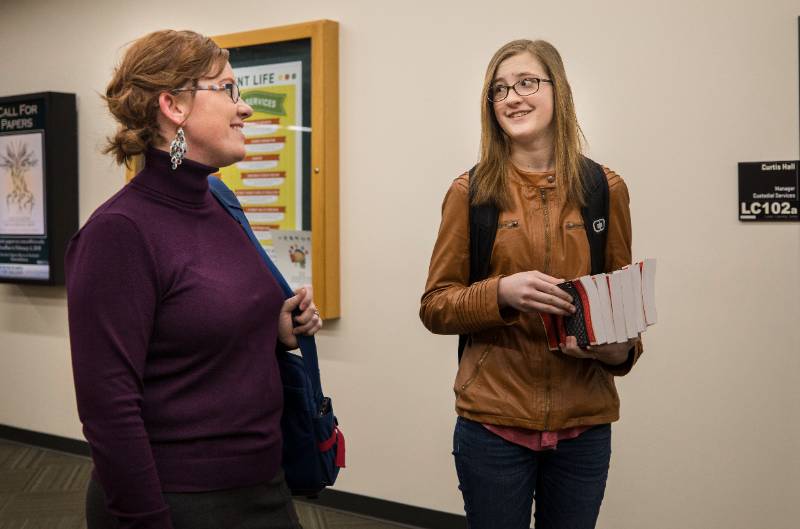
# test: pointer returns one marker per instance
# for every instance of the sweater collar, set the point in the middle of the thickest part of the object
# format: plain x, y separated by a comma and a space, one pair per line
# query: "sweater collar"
187, 183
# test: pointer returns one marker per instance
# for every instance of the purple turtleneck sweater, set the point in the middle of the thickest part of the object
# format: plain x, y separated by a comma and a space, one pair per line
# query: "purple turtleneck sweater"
173, 325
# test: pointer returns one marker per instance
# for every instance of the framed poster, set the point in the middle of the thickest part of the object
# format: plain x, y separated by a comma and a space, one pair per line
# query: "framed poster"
289, 179
38, 186
22, 182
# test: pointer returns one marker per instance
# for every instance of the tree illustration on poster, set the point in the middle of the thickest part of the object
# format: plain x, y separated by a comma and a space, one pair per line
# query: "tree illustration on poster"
38, 186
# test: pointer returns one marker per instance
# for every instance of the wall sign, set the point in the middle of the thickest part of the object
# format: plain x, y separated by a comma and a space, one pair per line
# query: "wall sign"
38, 186
768, 191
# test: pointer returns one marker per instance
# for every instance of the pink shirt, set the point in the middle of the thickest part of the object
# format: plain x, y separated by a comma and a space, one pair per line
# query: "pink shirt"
535, 439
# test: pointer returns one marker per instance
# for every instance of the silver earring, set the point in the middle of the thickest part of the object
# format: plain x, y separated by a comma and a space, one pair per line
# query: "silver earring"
178, 148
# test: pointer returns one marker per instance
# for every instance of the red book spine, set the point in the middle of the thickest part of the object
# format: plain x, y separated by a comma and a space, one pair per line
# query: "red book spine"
550, 330
587, 314
562, 329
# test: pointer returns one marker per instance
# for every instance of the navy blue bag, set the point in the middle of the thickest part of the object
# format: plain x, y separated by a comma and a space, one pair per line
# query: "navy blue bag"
313, 445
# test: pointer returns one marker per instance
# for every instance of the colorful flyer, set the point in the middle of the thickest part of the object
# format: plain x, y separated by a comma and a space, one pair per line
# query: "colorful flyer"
292, 255
22, 201
269, 181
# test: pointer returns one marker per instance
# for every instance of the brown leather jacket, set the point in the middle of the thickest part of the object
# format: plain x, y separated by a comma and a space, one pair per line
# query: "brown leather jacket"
507, 375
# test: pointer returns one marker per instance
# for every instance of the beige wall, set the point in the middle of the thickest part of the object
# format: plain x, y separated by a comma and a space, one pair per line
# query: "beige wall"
670, 94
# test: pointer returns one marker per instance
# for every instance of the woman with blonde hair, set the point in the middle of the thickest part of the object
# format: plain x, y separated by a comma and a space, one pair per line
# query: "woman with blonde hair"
532, 423
174, 318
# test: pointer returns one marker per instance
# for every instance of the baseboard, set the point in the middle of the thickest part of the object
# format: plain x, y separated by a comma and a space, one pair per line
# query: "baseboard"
45, 440
388, 510
331, 498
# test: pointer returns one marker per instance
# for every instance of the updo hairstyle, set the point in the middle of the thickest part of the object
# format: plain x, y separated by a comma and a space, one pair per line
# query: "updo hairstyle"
158, 62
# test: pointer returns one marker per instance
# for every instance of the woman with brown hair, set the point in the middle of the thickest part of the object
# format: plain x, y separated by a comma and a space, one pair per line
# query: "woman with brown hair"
174, 319
531, 423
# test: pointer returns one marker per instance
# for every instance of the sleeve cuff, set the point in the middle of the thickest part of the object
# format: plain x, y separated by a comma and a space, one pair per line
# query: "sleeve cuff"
479, 308
625, 367
508, 315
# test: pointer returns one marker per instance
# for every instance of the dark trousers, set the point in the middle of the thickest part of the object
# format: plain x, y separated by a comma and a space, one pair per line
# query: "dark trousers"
265, 506
500, 480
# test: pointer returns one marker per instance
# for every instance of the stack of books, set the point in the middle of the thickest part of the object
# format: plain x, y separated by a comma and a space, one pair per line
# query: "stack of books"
611, 308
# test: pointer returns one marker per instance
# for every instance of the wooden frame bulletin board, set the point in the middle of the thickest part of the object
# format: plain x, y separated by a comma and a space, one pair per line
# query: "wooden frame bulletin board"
290, 178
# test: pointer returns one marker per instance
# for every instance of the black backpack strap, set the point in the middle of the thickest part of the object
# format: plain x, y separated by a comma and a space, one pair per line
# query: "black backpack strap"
595, 212
482, 231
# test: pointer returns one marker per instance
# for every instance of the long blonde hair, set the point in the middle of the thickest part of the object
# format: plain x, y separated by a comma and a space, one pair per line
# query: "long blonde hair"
489, 181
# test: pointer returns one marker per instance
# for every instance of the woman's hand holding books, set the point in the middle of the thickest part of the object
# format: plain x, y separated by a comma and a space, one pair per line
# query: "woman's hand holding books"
610, 353
534, 292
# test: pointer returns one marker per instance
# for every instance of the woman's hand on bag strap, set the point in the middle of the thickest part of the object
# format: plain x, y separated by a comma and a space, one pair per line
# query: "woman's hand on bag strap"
308, 322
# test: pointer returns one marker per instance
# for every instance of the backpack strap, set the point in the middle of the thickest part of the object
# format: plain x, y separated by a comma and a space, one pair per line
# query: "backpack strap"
308, 346
483, 220
595, 212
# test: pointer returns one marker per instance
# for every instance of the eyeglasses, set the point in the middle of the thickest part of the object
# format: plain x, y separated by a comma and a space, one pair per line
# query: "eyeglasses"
523, 87
231, 88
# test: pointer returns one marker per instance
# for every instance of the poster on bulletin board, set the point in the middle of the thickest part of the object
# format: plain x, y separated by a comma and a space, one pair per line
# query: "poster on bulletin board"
269, 181
288, 183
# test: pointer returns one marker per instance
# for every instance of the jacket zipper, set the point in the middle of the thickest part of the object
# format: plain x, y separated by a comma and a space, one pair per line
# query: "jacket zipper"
547, 250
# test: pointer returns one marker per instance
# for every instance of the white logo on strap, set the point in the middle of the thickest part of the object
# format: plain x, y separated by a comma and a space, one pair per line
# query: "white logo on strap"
599, 225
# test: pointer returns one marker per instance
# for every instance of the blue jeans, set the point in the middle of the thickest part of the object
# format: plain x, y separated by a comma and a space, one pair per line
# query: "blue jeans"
499, 480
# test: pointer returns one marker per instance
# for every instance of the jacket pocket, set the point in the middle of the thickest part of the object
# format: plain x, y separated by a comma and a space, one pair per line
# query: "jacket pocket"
510, 251
508, 224
573, 225
477, 369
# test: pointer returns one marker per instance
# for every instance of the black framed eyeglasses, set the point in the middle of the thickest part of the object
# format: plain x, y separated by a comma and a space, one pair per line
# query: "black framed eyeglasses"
523, 87
231, 88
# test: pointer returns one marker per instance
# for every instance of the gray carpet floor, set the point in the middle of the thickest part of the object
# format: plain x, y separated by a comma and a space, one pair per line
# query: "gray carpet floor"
44, 489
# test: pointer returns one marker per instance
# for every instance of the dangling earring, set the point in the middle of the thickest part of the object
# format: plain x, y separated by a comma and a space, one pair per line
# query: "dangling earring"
177, 149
